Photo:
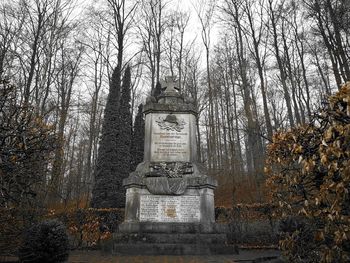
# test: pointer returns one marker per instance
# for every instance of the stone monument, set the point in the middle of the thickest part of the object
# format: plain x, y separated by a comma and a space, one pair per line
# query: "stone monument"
169, 197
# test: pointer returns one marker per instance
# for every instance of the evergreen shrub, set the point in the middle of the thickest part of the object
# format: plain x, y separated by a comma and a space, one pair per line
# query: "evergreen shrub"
46, 241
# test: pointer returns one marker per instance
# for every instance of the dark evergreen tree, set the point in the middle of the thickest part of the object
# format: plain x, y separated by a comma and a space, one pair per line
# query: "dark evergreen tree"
138, 138
123, 141
103, 194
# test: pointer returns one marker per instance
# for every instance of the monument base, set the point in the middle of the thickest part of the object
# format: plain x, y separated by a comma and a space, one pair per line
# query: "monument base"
172, 228
147, 238
195, 205
182, 224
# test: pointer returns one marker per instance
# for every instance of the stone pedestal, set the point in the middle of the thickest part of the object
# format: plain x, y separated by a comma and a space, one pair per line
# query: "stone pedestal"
195, 205
169, 197
146, 238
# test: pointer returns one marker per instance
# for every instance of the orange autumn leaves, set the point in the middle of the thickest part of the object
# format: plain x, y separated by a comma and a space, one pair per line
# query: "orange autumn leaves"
308, 171
88, 227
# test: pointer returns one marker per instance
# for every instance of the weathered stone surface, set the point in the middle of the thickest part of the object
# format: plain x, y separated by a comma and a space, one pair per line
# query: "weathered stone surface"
200, 182
215, 238
170, 137
169, 198
156, 238
184, 169
203, 200
152, 106
165, 208
172, 244
157, 227
173, 249
166, 186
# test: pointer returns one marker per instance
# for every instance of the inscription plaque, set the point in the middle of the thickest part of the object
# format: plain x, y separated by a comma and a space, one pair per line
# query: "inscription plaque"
162, 208
170, 138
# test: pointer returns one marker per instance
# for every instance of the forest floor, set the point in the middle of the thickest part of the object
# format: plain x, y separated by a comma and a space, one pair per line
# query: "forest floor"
246, 256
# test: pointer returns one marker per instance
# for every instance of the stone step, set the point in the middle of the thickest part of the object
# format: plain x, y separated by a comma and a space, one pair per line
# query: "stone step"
184, 238
157, 227
172, 249
149, 238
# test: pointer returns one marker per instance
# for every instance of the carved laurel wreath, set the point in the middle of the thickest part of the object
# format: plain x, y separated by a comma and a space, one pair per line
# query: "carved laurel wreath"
170, 170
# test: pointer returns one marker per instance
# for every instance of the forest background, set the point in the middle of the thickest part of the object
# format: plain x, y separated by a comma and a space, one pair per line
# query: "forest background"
251, 67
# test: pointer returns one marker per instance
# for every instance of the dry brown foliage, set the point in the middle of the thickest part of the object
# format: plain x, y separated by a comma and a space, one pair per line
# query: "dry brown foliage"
309, 178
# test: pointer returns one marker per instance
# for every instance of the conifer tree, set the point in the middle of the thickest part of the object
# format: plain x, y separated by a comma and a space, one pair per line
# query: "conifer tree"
103, 193
123, 146
138, 138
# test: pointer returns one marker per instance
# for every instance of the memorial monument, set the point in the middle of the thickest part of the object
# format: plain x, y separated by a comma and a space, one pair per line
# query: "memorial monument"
169, 197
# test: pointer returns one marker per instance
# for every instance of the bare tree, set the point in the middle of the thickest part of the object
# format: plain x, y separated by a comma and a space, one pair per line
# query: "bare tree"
330, 18
123, 16
151, 27
205, 11
10, 25
274, 17
65, 78
258, 35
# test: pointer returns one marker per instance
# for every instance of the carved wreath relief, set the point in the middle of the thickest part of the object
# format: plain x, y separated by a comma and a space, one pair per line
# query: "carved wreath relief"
170, 169
171, 123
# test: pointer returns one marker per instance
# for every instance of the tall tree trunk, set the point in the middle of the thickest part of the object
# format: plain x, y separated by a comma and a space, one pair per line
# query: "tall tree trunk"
327, 42
259, 65
344, 64
280, 64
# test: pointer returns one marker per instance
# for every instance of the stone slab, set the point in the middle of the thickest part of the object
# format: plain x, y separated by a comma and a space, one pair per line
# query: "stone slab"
159, 249
183, 238
170, 141
170, 137
164, 208
173, 249
245, 255
157, 227
195, 205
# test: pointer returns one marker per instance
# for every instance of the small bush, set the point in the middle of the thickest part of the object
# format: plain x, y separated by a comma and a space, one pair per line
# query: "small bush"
87, 228
45, 242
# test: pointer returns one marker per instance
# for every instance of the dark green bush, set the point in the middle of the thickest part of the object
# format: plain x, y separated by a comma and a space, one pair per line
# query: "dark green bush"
45, 242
